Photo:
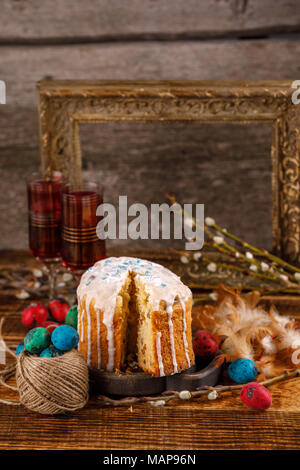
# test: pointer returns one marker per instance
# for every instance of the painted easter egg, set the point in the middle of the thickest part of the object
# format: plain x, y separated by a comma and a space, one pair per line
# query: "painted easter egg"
256, 396
20, 348
71, 318
59, 309
51, 352
242, 371
37, 339
50, 325
205, 344
65, 338
35, 312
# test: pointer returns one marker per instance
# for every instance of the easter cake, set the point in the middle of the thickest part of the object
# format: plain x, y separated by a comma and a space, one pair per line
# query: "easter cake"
130, 307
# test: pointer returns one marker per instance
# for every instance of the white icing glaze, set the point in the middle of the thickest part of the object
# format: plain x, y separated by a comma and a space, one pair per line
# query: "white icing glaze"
159, 357
108, 318
160, 284
82, 327
89, 334
79, 333
186, 347
171, 329
98, 338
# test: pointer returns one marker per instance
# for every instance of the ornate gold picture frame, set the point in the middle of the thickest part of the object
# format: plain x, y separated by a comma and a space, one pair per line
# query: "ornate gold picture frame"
63, 105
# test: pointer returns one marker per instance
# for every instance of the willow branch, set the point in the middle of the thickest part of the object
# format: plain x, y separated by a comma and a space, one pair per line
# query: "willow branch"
203, 391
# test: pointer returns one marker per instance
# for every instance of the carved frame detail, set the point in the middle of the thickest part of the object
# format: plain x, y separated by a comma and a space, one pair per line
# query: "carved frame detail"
63, 105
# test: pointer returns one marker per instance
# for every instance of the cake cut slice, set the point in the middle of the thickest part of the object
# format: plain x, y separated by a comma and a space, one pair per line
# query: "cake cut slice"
130, 307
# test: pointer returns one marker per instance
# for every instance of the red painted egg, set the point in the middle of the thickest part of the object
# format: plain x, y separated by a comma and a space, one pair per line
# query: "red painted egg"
205, 344
59, 309
256, 396
50, 325
36, 312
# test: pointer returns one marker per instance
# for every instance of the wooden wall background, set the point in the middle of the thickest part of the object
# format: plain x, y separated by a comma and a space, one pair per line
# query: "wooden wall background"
226, 167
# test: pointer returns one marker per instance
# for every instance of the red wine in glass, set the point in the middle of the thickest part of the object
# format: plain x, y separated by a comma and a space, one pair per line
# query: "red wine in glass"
81, 247
44, 222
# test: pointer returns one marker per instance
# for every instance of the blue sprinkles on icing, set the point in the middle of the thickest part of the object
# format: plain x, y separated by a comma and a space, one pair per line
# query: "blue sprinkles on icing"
114, 270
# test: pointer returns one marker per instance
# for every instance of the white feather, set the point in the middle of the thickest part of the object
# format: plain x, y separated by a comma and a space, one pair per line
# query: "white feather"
268, 345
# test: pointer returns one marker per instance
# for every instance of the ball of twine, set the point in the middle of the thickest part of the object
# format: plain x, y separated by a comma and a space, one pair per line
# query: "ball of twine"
52, 385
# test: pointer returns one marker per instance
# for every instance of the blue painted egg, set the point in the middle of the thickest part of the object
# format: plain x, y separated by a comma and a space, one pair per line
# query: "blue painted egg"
242, 371
51, 352
65, 338
20, 348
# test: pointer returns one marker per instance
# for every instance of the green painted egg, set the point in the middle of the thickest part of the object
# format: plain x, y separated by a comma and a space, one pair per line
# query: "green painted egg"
71, 318
37, 339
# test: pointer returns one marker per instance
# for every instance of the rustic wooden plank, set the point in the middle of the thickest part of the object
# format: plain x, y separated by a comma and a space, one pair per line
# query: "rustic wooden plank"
57, 20
22, 67
198, 425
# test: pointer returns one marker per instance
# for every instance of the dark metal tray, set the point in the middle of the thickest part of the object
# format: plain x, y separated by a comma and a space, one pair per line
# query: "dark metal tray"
141, 383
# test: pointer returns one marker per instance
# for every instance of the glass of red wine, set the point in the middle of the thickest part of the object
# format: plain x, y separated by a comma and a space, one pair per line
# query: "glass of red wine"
44, 221
81, 247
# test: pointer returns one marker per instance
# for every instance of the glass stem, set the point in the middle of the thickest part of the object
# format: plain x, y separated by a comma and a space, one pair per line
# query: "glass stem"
77, 275
51, 269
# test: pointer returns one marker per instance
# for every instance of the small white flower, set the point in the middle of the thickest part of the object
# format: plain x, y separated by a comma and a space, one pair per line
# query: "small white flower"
237, 255
212, 395
225, 230
185, 395
157, 403
67, 277
264, 267
218, 240
213, 296
249, 255
56, 175
22, 295
297, 276
184, 259
198, 255
38, 272
253, 268
284, 277
37, 285
209, 221
61, 284
211, 267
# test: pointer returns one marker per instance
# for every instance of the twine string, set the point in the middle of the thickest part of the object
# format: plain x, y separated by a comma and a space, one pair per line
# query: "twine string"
50, 389
8, 371
47, 385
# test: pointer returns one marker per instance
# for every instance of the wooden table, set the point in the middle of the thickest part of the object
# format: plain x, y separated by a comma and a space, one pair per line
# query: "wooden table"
224, 423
